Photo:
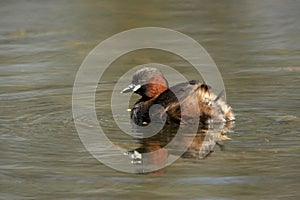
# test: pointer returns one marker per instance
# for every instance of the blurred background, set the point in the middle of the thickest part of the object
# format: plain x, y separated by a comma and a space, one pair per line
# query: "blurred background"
255, 44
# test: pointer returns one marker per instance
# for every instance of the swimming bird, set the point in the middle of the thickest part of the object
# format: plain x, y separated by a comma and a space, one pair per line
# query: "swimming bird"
188, 102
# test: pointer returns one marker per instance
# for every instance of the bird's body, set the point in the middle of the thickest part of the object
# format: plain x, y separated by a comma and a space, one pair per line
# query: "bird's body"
182, 103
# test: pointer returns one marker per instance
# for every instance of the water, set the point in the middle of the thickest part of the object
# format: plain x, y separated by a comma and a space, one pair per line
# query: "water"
255, 45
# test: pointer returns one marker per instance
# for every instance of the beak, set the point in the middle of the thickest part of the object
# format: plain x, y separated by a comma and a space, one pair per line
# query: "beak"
131, 88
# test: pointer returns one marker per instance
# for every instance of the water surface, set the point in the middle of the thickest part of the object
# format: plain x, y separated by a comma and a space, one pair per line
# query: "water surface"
255, 45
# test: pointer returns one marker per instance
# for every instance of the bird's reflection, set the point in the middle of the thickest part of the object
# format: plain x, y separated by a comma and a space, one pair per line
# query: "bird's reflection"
156, 150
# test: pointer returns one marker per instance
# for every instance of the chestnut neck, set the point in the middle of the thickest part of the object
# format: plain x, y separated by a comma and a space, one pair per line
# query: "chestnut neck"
155, 86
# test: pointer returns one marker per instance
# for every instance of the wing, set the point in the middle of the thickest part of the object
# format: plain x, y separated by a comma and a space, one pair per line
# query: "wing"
193, 102
182, 101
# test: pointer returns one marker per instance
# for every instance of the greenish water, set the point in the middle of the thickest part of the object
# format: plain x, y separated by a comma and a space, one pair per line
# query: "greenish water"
255, 44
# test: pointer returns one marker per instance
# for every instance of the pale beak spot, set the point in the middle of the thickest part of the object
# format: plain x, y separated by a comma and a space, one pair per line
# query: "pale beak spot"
131, 88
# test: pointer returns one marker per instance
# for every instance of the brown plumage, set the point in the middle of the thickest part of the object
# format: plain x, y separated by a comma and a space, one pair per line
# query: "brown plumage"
185, 103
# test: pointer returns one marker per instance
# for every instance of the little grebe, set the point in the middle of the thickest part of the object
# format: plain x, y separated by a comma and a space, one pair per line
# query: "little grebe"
154, 90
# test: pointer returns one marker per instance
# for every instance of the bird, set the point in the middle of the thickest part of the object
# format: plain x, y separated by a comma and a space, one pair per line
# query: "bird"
184, 103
